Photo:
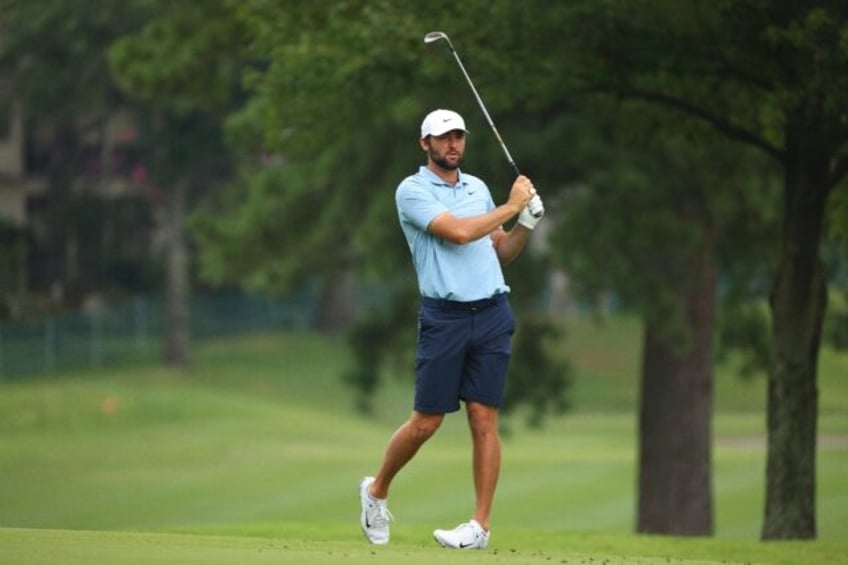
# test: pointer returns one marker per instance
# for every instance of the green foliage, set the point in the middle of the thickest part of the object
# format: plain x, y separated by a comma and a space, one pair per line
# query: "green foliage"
538, 381
837, 214
331, 73
188, 54
385, 337
836, 321
752, 69
242, 238
278, 226
180, 76
636, 227
181, 145
57, 53
746, 330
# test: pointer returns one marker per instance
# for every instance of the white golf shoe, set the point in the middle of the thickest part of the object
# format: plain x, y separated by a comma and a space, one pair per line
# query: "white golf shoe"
374, 516
469, 535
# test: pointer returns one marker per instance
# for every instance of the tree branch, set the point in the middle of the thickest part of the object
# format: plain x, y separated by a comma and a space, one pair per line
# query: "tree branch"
722, 61
726, 127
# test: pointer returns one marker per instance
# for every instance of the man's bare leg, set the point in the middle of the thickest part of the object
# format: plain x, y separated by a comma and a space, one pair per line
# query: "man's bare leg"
483, 421
403, 446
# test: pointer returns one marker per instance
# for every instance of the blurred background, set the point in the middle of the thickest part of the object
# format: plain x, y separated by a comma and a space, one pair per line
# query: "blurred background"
198, 232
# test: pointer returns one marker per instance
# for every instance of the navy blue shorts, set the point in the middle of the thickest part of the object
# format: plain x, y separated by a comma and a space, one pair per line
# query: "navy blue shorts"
463, 353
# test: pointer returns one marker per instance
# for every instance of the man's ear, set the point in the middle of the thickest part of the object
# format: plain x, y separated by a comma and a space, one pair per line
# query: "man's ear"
424, 142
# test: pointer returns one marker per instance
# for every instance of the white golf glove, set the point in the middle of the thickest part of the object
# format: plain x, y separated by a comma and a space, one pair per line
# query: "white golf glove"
532, 213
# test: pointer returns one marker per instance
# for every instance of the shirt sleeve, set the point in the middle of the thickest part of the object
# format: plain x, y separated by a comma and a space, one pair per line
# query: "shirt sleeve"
417, 204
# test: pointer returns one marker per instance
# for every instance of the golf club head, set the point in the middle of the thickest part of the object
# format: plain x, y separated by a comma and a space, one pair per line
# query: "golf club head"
436, 36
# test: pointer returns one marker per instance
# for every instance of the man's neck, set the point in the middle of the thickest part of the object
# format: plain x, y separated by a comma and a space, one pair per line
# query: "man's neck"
450, 176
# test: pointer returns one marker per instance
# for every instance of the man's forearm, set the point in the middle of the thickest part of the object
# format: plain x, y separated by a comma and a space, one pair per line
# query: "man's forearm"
465, 230
509, 245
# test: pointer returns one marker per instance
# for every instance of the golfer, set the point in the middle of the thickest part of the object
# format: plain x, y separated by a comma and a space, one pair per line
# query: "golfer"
465, 324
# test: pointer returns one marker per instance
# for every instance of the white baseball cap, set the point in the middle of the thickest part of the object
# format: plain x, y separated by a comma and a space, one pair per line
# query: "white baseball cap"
439, 122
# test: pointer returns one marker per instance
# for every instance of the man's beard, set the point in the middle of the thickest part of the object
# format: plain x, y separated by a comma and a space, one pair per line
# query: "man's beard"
443, 163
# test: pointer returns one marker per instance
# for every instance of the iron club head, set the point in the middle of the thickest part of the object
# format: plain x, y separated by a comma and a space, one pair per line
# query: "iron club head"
435, 36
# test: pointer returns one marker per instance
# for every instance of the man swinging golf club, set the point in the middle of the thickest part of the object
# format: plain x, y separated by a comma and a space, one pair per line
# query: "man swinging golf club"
465, 325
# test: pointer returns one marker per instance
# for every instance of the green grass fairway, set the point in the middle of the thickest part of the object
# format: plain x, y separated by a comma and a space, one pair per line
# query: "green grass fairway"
255, 456
316, 545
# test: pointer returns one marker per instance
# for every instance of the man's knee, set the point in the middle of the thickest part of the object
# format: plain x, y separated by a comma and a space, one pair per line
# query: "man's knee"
423, 426
482, 419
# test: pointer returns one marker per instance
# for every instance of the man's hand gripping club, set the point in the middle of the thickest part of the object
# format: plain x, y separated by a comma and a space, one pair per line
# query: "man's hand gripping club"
532, 210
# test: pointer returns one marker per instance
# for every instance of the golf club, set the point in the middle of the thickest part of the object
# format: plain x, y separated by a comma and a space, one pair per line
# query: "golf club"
433, 36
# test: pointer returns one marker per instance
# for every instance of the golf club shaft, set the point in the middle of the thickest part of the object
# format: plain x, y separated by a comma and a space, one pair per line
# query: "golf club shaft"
536, 208
485, 112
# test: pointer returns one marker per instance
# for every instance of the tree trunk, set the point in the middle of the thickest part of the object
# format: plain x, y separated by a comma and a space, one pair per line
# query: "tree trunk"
57, 230
675, 422
337, 303
177, 332
798, 303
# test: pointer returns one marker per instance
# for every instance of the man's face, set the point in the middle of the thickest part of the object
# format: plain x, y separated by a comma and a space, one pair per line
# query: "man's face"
446, 150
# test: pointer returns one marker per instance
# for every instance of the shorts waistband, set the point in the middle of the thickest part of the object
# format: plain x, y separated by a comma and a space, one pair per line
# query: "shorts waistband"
472, 306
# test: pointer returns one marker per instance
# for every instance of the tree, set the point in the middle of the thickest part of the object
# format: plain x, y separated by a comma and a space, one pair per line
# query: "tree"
184, 154
181, 77
773, 75
646, 223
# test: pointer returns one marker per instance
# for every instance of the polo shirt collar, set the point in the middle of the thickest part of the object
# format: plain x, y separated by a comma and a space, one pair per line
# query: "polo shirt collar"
433, 178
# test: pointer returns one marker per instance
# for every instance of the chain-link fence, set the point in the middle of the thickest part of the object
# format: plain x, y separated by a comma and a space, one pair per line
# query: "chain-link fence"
134, 330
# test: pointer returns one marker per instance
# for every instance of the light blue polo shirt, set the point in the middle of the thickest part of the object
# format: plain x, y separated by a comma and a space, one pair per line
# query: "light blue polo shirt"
446, 270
